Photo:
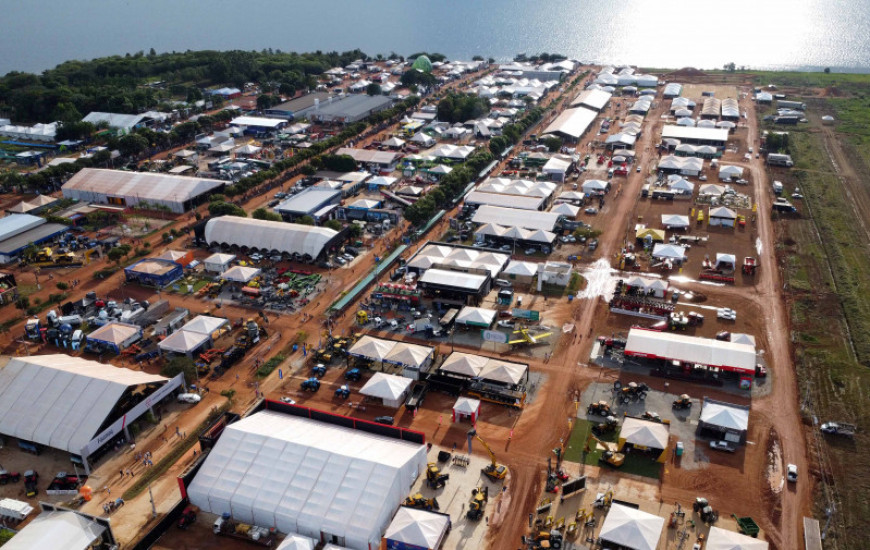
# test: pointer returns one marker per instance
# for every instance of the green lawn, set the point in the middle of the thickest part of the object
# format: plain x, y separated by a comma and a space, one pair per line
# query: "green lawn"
636, 464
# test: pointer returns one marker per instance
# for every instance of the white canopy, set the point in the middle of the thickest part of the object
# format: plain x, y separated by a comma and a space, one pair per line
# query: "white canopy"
409, 355
417, 528
424, 139
467, 406
464, 364
720, 539
116, 333
690, 349
727, 172
50, 530
382, 181
386, 386
645, 432
218, 262
726, 258
720, 414
183, 341
632, 528
723, 212
476, 316
682, 185
268, 235
248, 149
61, 401
591, 186
205, 324
566, 209
504, 372
556, 166
487, 368
520, 268
370, 348
675, 220
393, 142
672, 251
302, 476
440, 169
239, 274
296, 542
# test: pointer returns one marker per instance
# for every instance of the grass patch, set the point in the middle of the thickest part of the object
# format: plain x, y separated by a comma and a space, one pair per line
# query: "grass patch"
163, 465
635, 463
270, 365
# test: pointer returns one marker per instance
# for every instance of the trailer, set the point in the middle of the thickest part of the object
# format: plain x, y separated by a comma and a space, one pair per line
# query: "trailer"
776, 159
747, 525
839, 428
225, 526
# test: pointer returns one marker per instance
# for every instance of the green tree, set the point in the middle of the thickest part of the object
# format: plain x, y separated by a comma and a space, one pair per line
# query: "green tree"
730, 67
354, 231
132, 145
553, 143
339, 163
373, 89
180, 364
305, 220
265, 101
335, 225
220, 208
461, 107
263, 214
116, 254
22, 303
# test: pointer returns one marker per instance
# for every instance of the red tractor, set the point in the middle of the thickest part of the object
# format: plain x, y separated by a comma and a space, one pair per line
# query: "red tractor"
9, 477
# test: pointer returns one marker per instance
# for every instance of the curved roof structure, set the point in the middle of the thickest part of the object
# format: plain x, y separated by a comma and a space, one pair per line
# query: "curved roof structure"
423, 64
61, 401
268, 235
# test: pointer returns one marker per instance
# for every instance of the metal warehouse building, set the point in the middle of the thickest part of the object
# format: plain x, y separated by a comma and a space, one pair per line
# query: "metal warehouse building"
250, 235
339, 484
289, 109
119, 188
346, 110
74, 404
309, 202
18, 231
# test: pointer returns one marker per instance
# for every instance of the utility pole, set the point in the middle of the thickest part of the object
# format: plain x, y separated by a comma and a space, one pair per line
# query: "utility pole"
153, 508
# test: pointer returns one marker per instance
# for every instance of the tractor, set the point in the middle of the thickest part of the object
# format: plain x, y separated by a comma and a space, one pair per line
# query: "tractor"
683, 402
602, 408
188, 516
632, 392
30, 479
548, 540
319, 370
434, 478
609, 425
702, 507
312, 385
421, 502
477, 504
343, 392
9, 477
353, 375
652, 416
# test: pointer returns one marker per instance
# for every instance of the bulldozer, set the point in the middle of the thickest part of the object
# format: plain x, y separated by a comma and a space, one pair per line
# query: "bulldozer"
602, 408
545, 540
494, 471
434, 478
702, 507
682, 402
421, 502
609, 425
479, 496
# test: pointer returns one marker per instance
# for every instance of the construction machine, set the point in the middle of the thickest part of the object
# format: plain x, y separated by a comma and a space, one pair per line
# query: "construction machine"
609, 425
610, 455
545, 540
602, 408
494, 471
479, 496
683, 402
631, 392
421, 502
706, 512
434, 478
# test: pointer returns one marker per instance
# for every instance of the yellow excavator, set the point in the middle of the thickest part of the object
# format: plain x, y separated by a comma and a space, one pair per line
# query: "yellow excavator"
610, 455
494, 471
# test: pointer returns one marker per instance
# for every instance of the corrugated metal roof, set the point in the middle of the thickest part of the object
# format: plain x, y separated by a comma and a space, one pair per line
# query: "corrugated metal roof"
572, 122
145, 186
18, 223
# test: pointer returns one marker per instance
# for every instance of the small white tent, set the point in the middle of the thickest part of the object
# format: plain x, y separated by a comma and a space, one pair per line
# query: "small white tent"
466, 407
631, 528
296, 542
476, 317
412, 528
391, 389
239, 274
720, 539
218, 263
565, 209
722, 216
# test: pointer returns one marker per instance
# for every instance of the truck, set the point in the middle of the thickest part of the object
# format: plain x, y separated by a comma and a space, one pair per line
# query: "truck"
839, 428
777, 159
777, 188
227, 527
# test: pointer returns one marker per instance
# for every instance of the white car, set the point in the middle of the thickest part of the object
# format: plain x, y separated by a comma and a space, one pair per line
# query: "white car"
191, 398
791, 473
702, 177
288, 401
255, 257
591, 210
340, 261
505, 323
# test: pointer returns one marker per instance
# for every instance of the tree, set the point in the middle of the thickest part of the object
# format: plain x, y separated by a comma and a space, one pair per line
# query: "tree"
22, 303
305, 220
180, 364
116, 255
264, 101
827, 70
461, 107
335, 225
553, 143
373, 89
220, 208
730, 67
339, 163
477, 58
263, 214
132, 145
354, 231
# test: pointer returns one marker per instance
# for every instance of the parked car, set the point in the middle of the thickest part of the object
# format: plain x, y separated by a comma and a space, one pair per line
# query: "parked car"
593, 244
726, 446
276, 257
503, 283
340, 261
191, 398
288, 401
388, 420
530, 251
591, 211
255, 257
506, 323
702, 177
742, 182
791, 473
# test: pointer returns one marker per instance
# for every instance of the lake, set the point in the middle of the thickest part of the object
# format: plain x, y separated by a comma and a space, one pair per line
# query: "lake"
760, 34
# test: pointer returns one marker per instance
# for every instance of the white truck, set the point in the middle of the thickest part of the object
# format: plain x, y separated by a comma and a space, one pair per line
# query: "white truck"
839, 428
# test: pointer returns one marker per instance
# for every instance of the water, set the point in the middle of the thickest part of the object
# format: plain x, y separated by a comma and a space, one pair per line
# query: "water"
764, 34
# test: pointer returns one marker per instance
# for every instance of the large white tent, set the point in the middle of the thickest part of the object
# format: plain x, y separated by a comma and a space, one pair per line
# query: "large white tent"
675, 221
54, 530
240, 274
565, 209
412, 357
669, 251
389, 388
61, 401
413, 528
267, 235
691, 349
183, 342
720, 539
370, 348
302, 476
476, 317
486, 368
631, 528
725, 416
645, 433
218, 263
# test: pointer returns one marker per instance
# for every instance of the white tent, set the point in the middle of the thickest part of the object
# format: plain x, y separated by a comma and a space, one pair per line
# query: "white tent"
504, 372
669, 251
268, 235
248, 149
382, 181
466, 407
440, 170
218, 263
720, 539
521, 269
239, 274
594, 186
682, 186
631, 528
728, 172
476, 316
720, 414
729, 356
298, 475
556, 167
722, 216
296, 542
742, 338
370, 348
729, 259
391, 389
565, 209
464, 364
675, 221
412, 528
183, 341
409, 355
60, 529
205, 324
393, 142
571, 196
423, 139
646, 433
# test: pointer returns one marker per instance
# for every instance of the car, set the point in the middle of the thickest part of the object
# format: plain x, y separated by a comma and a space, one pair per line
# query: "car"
505, 247
288, 401
502, 283
340, 261
702, 177
750, 149
796, 196
593, 244
280, 195
742, 182
191, 398
506, 323
452, 238
791, 473
276, 257
348, 257
394, 325
530, 251
388, 420
726, 446
638, 169
591, 210
564, 239
255, 257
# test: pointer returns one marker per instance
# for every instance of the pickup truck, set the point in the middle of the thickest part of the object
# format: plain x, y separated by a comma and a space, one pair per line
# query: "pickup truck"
726, 446
418, 393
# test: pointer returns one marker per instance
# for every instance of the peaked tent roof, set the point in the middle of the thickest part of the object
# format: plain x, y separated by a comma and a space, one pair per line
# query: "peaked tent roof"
632, 528
467, 405
465, 364
205, 324
417, 528
721, 414
661, 250
183, 341
240, 274
723, 212
566, 209
50, 530
476, 316
386, 386
115, 332
645, 432
372, 348
720, 539
500, 371
296, 542
524, 269
409, 355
